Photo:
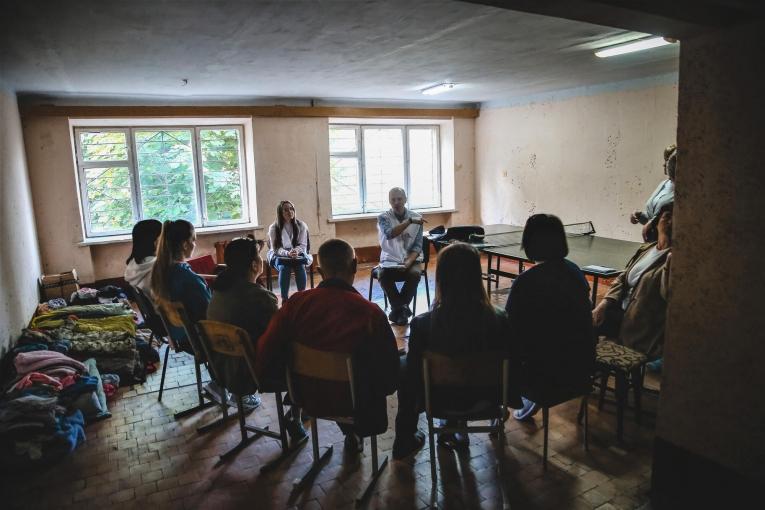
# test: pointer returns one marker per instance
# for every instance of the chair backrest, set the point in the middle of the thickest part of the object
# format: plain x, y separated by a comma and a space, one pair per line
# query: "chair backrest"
473, 371
319, 365
175, 315
227, 339
425, 251
150, 316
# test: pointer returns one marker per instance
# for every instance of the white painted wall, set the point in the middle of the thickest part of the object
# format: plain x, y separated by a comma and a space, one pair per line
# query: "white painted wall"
591, 157
19, 255
291, 162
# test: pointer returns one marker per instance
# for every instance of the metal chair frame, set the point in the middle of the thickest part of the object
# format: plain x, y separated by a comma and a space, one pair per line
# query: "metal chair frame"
373, 275
219, 337
461, 366
340, 369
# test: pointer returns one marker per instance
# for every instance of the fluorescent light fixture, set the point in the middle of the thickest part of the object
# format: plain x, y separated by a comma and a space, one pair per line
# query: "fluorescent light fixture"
643, 44
437, 89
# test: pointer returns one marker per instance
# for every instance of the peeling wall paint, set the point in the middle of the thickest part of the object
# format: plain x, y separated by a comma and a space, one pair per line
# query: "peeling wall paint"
595, 157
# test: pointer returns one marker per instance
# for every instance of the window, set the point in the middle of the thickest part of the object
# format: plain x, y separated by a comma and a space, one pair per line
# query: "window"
367, 161
130, 174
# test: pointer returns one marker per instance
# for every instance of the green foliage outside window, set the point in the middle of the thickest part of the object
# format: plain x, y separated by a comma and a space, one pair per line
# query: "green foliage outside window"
165, 160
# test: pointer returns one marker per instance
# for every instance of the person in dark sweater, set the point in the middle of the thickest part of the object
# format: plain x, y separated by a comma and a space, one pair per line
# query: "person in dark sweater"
549, 313
461, 321
239, 300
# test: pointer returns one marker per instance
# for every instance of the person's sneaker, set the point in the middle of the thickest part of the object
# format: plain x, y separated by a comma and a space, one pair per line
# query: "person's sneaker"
403, 448
249, 402
296, 432
655, 366
528, 410
353, 443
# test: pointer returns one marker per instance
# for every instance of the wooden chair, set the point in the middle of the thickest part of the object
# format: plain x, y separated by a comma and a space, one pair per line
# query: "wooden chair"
628, 368
318, 365
229, 340
374, 275
487, 374
552, 400
171, 314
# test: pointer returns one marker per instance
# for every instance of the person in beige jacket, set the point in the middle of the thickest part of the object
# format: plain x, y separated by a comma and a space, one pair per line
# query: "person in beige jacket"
634, 310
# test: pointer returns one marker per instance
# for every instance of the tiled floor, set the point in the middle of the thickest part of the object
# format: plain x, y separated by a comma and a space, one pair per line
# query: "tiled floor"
143, 458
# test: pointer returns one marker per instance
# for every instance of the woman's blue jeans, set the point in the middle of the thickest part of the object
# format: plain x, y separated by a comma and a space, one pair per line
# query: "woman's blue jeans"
287, 267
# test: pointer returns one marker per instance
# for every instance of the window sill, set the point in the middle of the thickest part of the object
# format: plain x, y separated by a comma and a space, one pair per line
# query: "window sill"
370, 216
94, 241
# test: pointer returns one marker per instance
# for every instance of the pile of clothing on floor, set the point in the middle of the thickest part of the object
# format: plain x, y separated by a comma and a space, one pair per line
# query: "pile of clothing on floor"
46, 398
103, 330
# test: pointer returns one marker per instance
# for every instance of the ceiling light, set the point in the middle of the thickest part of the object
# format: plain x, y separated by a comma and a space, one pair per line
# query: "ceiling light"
437, 89
643, 44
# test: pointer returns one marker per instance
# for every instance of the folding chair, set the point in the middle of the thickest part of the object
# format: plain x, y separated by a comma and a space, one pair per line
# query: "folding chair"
318, 365
172, 314
229, 340
484, 374
375, 275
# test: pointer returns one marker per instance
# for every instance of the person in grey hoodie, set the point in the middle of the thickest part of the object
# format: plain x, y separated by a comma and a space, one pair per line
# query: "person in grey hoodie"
141, 260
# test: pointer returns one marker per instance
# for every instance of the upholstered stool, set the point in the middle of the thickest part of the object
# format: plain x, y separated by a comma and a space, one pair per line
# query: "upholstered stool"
626, 365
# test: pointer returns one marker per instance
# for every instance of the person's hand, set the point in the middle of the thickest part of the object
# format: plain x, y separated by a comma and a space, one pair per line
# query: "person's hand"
635, 217
293, 253
417, 221
599, 314
646, 229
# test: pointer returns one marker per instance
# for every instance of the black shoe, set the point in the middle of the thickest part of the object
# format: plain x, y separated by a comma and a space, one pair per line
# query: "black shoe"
408, 311
296, 431
403, 448
353, 444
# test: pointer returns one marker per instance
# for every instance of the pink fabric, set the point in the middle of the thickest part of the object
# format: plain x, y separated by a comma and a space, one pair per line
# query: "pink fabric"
36, 377
110, 389
69, 380
36, 361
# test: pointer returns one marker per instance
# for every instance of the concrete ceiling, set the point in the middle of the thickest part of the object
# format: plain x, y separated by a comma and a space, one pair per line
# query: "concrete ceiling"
354, 50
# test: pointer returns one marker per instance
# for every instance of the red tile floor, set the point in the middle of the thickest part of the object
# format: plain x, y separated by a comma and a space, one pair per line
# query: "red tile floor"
142, 458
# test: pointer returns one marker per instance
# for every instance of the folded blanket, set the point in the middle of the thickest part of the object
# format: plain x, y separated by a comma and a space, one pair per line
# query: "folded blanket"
37, 361
123, 323
55, 318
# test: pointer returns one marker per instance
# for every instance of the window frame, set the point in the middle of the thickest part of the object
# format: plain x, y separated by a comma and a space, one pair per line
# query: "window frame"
134, 175
360, 157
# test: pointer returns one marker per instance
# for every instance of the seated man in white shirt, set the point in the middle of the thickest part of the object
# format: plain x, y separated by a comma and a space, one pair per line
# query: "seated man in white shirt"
400, 233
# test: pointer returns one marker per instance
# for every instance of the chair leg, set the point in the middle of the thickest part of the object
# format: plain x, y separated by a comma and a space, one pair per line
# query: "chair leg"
371, 282
637, 386
501, 463
586, 424
287, 449
414, 305
376, 471
310, 268
202, 404
243, 429
603, 388
621, 401
427, 288
318, 461
432, 446
164, 371
546, 425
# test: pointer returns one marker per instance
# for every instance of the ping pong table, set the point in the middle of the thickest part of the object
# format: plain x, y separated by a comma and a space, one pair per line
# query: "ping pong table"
598, 257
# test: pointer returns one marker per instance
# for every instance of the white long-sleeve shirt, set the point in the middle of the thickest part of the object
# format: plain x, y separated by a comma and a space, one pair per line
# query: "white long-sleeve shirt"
286, 245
